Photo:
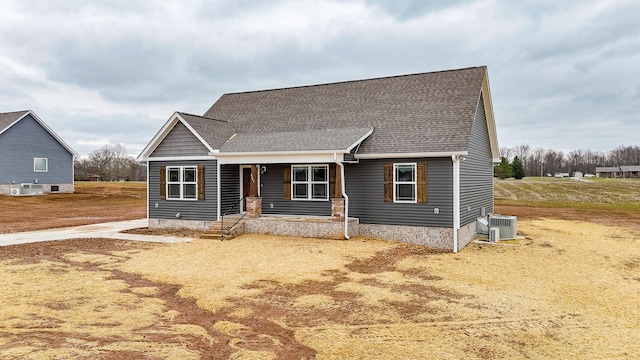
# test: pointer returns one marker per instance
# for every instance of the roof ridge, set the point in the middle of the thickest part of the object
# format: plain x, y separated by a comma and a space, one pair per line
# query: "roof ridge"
202, 116
354, 81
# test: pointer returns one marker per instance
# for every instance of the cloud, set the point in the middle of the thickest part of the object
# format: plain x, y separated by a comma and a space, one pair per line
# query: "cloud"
115, 71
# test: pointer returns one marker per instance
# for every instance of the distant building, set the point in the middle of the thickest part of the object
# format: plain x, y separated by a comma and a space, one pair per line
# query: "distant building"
624, 171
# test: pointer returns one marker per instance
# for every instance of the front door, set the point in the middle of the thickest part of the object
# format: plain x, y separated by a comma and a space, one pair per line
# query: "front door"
246, 185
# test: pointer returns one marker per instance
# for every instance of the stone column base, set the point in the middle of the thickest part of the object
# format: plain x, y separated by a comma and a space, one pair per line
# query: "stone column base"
253, 206
337, 209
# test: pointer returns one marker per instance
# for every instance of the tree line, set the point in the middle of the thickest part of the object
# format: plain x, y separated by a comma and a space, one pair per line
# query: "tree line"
110, 163
540, 162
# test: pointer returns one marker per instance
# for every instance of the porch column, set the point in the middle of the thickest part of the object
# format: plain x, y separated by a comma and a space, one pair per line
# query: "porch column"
337, 201
253, 189
254, 202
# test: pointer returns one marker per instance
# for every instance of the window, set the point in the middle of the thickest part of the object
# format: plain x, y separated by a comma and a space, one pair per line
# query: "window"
404, 182
40, 164
182, 183
310, 182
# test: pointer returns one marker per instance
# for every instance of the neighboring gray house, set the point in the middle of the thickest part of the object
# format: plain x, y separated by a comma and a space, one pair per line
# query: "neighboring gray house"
623, 171
407, 157
33, 158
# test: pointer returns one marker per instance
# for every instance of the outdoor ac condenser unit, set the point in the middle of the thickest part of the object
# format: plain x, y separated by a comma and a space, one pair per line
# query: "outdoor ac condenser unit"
494, 234
507, 225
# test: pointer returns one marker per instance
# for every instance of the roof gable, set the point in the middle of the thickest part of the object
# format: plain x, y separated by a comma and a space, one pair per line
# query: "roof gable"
210, 133
7, 120
420, 113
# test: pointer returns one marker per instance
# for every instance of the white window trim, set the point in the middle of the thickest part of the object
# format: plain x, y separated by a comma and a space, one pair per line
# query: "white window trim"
181, 182
414, 183
309, 182
46, 162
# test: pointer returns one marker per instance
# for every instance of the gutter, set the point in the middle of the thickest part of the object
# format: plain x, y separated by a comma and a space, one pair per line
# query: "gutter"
346, 197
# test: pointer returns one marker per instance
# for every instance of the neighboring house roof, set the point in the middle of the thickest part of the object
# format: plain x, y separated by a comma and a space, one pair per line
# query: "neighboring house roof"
427, 114
607, 169
627, 168
7, 120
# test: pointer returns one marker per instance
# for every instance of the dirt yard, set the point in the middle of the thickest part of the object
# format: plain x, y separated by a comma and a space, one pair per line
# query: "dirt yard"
567, 289
92, 202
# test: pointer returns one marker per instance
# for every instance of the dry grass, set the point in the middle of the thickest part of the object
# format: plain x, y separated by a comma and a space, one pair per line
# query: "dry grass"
569, 289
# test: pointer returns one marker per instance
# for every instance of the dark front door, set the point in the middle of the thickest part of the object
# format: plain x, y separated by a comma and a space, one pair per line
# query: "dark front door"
246, 185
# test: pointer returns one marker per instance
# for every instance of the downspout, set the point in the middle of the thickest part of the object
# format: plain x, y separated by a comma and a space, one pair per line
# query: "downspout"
218, 192
456, 200
148, 166
346, 197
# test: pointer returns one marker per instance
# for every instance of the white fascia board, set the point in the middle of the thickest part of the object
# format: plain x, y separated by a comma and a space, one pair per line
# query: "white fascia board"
50, 131
281, 158
359, 141
164, 131
411, 155
488, 111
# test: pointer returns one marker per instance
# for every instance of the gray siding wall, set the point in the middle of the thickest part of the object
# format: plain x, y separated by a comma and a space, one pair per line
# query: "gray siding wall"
272, 185
180, 142
365, 188
189, 210
230, 188
27, 140
476, 172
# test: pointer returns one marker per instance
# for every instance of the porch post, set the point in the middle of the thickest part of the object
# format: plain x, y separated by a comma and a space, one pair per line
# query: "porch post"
254, 202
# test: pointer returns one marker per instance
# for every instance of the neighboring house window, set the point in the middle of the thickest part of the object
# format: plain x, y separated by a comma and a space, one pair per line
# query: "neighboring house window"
40, 164
310, 182
405, 182
182, 182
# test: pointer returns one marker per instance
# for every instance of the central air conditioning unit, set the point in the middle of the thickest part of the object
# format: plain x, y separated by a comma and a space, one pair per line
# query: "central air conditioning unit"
494, 234
15, 192
508, 226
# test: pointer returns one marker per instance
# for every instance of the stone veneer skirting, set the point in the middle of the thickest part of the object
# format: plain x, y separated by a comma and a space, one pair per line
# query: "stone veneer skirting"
300, 226
179, 224
46, 188
325, 228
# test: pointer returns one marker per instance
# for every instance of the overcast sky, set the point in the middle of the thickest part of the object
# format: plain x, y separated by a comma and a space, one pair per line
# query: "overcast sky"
563, 74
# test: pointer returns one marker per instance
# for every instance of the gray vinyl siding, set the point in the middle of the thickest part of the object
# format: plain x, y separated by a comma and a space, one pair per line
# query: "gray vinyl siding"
365, 188
476, 172
273, 202
27, 140
180, 142
229, 188
204, 210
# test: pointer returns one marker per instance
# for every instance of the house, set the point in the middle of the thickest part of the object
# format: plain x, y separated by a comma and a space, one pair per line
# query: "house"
630, 171
33, 158
608, 171
408, 158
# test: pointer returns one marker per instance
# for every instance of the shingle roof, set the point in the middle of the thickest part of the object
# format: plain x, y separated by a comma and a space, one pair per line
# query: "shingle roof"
305, 140
428, 112
214, 132
6, 119
626, 168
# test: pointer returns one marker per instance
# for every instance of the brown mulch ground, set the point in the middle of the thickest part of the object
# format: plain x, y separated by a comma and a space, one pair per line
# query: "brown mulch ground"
90, 204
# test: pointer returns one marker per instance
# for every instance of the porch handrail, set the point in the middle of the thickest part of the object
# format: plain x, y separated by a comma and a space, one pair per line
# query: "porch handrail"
226, 212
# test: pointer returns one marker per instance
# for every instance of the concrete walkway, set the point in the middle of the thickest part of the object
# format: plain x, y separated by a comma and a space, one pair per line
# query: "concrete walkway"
111, 230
